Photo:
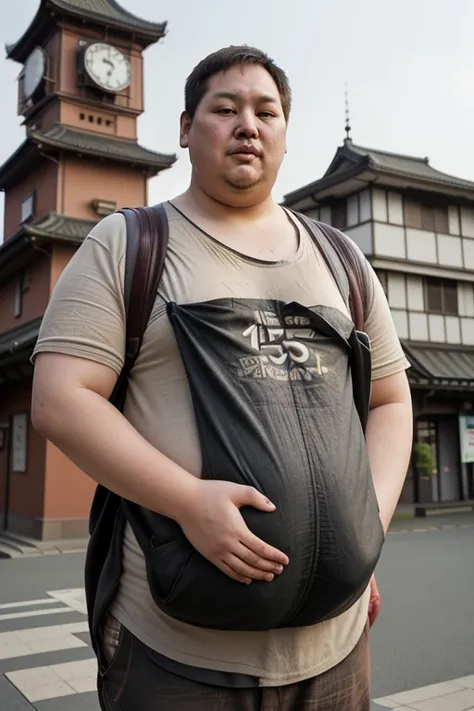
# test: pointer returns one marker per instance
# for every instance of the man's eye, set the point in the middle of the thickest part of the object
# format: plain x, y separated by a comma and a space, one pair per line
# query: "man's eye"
265, 114
226, 111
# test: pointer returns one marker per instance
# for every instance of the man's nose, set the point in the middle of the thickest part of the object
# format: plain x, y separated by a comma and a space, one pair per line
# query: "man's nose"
247, 126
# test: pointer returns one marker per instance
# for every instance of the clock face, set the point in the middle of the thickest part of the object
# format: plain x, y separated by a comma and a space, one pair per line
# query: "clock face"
34, 72
107, 66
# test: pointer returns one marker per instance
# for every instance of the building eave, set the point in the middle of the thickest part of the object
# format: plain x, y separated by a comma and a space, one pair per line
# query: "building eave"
362, 176
14, 167
440, 366
355, 167
70, 140
38, 143
16, 347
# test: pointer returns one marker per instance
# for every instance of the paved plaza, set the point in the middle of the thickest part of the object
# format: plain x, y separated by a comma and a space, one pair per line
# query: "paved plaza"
422, 643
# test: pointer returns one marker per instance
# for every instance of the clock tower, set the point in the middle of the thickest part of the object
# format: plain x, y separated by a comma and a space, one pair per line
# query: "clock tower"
80, 93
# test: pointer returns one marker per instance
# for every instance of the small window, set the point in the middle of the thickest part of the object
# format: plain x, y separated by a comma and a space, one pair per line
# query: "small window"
18, 298
28, 207
441, 220
424, 216
441, 296
339, 215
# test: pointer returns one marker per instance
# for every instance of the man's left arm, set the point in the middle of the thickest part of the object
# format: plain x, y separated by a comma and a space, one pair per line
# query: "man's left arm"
389, 439
389, 431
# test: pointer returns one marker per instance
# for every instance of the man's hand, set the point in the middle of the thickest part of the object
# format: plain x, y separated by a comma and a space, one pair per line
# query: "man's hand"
214, 525
374, 604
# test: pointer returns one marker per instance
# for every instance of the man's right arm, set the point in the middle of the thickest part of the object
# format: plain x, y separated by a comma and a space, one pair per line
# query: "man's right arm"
70, 407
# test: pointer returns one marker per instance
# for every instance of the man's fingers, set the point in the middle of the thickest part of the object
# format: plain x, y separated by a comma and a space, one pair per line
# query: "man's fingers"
249, 496
255, 561
225, 568
245, 571
263, 550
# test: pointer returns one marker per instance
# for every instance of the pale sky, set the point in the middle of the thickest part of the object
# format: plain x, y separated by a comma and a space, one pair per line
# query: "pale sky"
409, 66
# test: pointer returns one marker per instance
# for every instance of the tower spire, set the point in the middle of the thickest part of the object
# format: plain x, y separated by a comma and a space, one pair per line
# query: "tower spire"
348, 124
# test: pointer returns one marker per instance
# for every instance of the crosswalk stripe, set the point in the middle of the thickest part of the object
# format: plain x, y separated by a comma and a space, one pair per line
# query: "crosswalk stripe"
37, 640
34, 613
28, 603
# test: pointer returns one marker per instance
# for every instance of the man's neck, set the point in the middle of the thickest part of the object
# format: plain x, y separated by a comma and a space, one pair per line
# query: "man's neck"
197, 203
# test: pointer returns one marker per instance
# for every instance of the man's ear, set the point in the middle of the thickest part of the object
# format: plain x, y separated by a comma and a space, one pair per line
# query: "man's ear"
184, 126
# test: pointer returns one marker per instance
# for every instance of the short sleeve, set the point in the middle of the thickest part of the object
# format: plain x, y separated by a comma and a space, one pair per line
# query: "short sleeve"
85, 316
388, 357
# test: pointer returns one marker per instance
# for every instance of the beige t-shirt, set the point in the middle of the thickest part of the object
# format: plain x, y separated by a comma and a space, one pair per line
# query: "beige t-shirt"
86, 318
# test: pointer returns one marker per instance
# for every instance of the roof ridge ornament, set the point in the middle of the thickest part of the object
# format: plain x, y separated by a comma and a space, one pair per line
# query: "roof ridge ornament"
348, 138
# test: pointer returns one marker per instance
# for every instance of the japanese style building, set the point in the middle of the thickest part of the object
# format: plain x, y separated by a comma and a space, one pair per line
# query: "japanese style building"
80, 93
416, 227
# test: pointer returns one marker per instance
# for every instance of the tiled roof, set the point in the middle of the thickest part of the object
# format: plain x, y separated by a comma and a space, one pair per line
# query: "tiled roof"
407, 165
103, 12
107, 11
95, 144
441, 366
351, 160
69, 229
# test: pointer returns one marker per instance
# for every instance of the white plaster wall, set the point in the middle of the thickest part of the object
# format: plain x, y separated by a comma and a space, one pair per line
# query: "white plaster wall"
468, 249
365, 206
467, 331
379, 205
400, 319
389, 241
465, 299
421, 246
362, 236
418, 327
416, 301
396, 290
436, 328
395, 209
453, 329
450, 251
453, 217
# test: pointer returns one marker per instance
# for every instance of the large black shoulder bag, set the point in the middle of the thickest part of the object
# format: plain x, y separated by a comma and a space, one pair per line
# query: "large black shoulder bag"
147, 240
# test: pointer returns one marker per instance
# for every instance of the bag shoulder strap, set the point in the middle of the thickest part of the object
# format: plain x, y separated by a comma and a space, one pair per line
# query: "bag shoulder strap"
338, 249
147, 242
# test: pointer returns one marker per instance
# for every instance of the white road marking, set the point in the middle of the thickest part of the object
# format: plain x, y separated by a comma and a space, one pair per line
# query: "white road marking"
27, 603
36, 640
34, 613
73, 597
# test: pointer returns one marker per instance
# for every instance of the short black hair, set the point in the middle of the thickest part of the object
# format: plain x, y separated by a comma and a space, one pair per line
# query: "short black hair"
224, 59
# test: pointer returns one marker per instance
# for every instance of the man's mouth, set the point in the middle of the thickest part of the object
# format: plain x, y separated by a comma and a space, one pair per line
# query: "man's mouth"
249, 151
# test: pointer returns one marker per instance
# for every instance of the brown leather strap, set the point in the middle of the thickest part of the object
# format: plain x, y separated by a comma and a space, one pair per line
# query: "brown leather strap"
355, 267
147, 243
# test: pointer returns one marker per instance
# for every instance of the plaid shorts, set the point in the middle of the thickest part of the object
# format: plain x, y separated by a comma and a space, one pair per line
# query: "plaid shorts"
133, 682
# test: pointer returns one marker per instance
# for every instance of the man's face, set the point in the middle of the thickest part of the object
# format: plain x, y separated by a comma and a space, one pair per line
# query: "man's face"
237, 138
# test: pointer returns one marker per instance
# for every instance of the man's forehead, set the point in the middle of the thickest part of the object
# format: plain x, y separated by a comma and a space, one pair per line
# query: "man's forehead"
247, 80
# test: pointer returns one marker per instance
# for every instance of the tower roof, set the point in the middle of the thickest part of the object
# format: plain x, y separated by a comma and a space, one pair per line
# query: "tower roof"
81, 143
106, 13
